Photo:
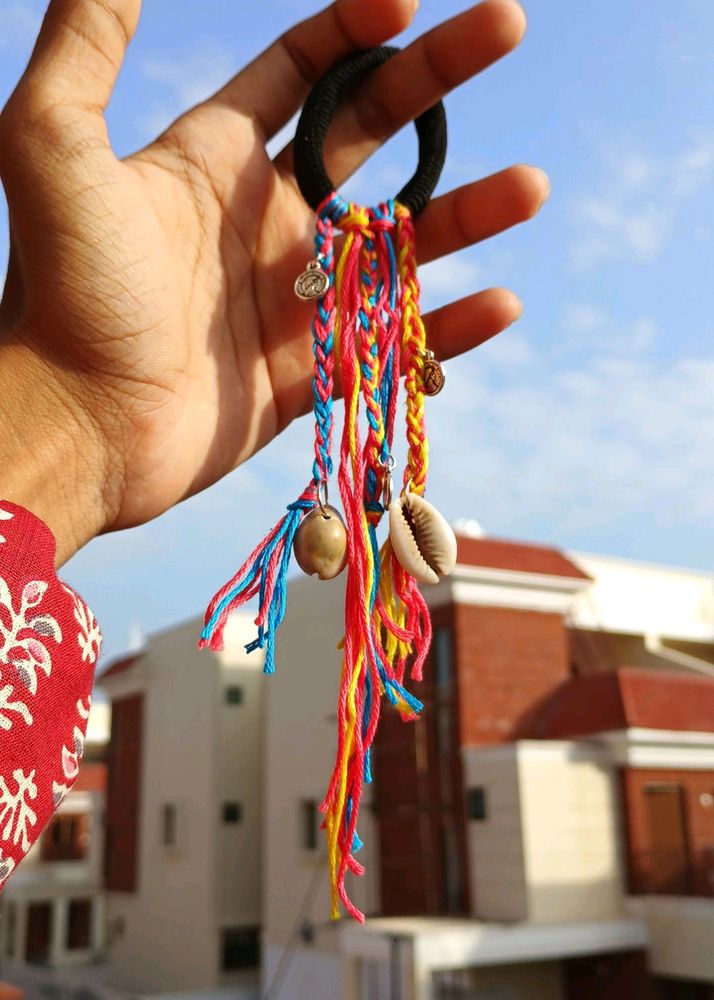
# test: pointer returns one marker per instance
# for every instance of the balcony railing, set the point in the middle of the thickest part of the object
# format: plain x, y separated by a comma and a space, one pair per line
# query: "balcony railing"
672, 873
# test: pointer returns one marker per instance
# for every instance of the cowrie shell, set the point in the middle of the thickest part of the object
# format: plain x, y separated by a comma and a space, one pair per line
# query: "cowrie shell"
320, 544
423, 541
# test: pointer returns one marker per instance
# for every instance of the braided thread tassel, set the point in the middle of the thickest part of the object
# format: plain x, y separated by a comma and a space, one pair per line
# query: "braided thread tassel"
368, 309
402, 610
265, 571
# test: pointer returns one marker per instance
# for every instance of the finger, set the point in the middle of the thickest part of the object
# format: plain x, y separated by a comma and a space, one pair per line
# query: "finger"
416, 78
480, 210
273, 87
463, 325
80, 50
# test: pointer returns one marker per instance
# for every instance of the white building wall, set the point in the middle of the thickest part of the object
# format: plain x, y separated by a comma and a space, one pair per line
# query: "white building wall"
681, 935
239, 777
300, 741
548, 849
198, 752
645, 599
163, 936
495, 844
571, 831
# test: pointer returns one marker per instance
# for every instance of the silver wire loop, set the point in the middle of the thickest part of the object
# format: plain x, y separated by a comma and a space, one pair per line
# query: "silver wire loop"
323, 499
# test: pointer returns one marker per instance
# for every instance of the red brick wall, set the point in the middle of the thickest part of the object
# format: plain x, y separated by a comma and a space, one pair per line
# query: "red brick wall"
505, 664
123, 795
699, 824
419, 803
509, 661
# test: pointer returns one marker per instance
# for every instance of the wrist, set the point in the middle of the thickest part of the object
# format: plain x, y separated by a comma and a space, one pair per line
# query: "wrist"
54, 460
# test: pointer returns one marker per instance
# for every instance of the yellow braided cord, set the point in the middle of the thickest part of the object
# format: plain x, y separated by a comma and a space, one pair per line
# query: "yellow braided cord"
413, 347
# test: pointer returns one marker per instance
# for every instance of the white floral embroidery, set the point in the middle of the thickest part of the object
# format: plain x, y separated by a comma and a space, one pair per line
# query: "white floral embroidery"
89, 637
27, 655
71, 756
7, 706
14, 810
6, 867
5, 515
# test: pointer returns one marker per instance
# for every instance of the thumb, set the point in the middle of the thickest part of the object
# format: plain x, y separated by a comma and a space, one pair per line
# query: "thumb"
80, 50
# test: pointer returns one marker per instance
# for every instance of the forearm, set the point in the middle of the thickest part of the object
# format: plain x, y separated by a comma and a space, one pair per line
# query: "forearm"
53, 460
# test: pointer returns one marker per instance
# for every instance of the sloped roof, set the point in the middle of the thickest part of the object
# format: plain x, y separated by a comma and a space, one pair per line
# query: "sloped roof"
631, 697
118, 667
520, 557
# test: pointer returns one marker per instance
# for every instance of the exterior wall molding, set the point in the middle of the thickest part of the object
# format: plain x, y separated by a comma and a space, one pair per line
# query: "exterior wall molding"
653, 748
497, 588
452, 944
560, 750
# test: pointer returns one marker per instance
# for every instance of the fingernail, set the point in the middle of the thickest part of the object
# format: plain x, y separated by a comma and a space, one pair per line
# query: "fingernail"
519, 310
546, 184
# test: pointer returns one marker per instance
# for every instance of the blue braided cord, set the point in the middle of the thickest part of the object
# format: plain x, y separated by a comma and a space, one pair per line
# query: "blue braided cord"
377, 564
368, 766
365, 726
357, 843
276, 613
322, 465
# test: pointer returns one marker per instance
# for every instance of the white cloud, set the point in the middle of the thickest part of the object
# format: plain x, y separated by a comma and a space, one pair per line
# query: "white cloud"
575, 451
188, 79
634, 214
584, 318
615, 230
508, 350
20, 24
450, 277
693, 169
590, 326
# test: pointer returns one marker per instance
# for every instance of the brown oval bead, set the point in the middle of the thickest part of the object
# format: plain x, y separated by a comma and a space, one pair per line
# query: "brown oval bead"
320, 544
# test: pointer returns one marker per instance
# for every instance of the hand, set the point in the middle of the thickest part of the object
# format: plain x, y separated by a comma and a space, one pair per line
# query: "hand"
152, 341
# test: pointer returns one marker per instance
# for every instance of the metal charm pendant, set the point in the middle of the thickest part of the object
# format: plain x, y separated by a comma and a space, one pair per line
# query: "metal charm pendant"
312, 283
432, 375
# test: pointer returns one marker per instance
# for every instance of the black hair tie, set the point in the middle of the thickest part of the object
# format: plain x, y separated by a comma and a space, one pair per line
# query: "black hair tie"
317, 115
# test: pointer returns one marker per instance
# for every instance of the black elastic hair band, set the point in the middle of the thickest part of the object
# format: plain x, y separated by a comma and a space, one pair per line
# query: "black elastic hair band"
318, 112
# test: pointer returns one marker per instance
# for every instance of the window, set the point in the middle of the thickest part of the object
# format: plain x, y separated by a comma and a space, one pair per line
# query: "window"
66, 838
240, 948
10, 929
234, 694
443, 658
232, 812
309, 824
476, 803
79, 924
117, 929
169, 826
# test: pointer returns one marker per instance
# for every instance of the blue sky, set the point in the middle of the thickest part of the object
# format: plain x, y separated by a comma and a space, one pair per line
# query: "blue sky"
590, 423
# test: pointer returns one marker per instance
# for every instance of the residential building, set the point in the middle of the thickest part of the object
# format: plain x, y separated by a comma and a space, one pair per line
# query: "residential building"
546, 829
52, 909
184, 813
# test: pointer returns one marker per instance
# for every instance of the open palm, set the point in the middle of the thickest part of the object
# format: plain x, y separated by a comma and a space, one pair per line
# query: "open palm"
154, 294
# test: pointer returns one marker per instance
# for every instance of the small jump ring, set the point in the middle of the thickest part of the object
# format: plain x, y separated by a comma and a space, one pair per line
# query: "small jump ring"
388, 463
323, 499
